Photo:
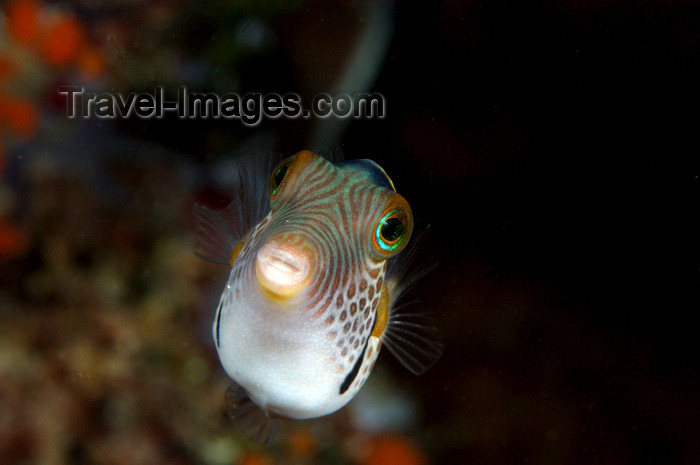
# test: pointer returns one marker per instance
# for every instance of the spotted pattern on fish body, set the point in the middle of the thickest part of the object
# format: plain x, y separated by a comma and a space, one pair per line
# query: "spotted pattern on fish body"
307, 305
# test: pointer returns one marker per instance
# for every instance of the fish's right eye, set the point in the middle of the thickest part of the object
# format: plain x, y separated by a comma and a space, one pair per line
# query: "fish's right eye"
278, 175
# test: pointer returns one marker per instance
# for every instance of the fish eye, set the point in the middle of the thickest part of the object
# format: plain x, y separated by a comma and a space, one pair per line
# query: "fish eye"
278, 175
392, 232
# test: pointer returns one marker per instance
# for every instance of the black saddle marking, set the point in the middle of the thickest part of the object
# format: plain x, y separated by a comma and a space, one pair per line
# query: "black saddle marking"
218, 321
353, 373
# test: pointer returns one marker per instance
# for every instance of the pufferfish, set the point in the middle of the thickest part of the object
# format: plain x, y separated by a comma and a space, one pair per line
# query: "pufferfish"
311, 296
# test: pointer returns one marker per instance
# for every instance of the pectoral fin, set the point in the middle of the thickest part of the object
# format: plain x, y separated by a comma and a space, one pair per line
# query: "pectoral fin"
248, 417
409, 335
220, 232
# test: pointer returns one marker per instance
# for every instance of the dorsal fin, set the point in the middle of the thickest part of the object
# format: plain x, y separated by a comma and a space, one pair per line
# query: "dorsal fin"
410, 335
218, 232
333, 154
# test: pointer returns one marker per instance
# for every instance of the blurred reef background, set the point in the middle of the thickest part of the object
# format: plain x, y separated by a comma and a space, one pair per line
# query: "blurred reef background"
532, 135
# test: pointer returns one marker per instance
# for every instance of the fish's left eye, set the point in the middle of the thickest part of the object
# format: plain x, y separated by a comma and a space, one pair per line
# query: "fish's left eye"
392, 232
278, 175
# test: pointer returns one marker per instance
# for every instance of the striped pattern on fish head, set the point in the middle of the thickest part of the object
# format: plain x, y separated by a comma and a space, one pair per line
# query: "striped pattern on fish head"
306, 285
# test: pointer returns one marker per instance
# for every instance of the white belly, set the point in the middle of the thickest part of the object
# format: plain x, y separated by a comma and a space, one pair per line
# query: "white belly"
286, 367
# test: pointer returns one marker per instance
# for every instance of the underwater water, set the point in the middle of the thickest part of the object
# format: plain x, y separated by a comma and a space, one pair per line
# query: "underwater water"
529, 135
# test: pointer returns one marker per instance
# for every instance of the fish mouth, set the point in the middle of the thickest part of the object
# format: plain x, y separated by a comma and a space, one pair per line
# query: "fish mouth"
282, 271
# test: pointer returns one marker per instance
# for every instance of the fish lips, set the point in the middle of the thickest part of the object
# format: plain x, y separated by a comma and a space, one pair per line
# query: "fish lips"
283, 271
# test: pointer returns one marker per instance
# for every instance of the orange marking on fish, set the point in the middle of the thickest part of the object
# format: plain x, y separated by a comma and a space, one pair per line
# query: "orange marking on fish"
382, 314
235, 252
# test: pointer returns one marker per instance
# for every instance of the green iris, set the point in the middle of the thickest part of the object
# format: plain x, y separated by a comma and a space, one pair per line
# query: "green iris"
390, 231
278, 177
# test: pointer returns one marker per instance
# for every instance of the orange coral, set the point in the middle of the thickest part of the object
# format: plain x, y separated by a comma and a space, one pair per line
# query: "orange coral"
58, 38
12, 240
7, 67
23, 20
90, 63
253, 458
392, 449
301, 443
63, 41
18, 115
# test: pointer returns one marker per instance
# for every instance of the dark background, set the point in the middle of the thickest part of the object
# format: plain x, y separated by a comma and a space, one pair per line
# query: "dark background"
538, 133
